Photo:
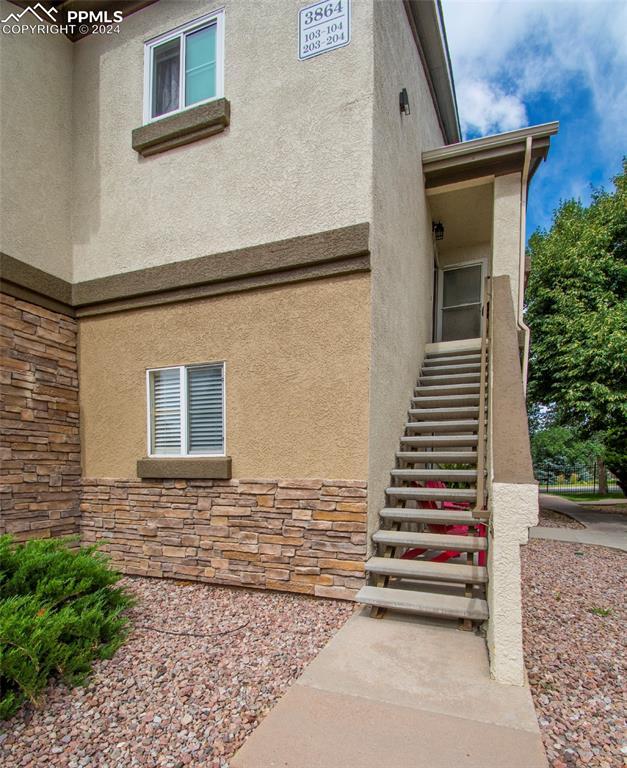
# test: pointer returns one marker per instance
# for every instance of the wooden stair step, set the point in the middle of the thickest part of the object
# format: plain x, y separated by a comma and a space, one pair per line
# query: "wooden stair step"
444, 414
438, 349
440, 370
434, 541
446, 475
432, 494
460, 353
458, 378
434, 516
466, 425
445, 401
440, 441
424, 603
446, 390
427, 570
474, 357
437, 457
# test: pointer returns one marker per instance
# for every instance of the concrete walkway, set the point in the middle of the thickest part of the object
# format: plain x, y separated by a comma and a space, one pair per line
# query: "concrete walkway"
622, 501
607, 530
398, 693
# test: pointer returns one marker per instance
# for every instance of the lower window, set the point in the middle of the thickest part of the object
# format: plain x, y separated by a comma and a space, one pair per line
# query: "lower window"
186, 410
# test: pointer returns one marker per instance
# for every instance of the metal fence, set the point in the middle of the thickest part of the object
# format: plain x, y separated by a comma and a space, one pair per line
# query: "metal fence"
579, 478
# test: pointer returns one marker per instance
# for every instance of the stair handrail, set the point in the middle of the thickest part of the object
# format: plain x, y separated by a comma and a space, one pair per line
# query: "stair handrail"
481, 506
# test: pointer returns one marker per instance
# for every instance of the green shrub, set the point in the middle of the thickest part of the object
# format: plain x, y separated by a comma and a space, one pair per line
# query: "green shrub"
59, 610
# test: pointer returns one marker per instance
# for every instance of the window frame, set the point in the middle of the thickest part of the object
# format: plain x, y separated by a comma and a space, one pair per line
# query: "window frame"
180, 32
184, 422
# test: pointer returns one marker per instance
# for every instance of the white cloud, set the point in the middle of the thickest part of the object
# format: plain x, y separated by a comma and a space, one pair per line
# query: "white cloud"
485, 108
506, 52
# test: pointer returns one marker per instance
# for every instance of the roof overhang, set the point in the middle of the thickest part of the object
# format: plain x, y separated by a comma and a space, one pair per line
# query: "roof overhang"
427, 25
487, 157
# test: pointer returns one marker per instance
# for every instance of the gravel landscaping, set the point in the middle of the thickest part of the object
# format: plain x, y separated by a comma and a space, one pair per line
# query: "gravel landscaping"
550, 519
574, 618
186, 698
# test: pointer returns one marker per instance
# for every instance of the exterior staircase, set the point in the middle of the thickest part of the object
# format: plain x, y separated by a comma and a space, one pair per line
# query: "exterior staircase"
431, 544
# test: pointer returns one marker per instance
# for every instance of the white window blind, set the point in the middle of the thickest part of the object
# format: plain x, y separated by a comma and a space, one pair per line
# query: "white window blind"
186, 410
204, 406
166, 411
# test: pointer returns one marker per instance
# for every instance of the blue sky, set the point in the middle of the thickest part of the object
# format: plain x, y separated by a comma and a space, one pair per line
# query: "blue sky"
523, 62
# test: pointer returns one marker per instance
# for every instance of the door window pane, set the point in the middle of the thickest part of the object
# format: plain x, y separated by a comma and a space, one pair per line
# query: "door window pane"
200, 65
462, 286
461, 323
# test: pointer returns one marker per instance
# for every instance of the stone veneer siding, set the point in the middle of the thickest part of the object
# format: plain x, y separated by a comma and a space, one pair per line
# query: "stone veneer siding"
305, 536
39, 412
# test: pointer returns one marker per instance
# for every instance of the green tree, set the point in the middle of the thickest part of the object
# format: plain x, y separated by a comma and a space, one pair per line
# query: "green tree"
577, 310
562, 447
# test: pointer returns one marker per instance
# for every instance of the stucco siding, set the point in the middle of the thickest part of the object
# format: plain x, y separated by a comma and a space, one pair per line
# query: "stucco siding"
401, 246
297, 362
35, 148
295, 159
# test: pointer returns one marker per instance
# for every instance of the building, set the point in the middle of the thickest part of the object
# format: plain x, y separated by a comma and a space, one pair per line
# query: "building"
227, 254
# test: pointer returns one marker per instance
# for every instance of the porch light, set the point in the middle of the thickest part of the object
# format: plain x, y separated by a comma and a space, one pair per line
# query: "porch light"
438, 229
403, 100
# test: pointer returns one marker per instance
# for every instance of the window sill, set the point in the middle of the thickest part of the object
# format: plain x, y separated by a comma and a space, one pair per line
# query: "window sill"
187, 468
182, 128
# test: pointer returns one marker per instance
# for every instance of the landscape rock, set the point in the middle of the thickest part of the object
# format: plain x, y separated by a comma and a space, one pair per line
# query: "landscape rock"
187, 695
574, 616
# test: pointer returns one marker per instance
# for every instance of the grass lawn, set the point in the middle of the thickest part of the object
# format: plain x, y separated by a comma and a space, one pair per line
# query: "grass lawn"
592, 496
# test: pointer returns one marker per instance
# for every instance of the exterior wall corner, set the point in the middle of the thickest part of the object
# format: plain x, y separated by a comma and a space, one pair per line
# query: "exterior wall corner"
401, 239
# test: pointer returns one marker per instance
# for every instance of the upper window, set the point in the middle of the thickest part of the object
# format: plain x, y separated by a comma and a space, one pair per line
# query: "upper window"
186, 410
184, 67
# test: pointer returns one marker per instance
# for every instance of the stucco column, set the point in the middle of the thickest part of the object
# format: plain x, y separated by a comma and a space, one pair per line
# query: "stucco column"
513, 509
506, 231
512, 491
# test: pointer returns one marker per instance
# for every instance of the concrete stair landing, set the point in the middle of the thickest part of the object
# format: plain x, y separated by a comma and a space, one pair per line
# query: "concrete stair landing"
398, 693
